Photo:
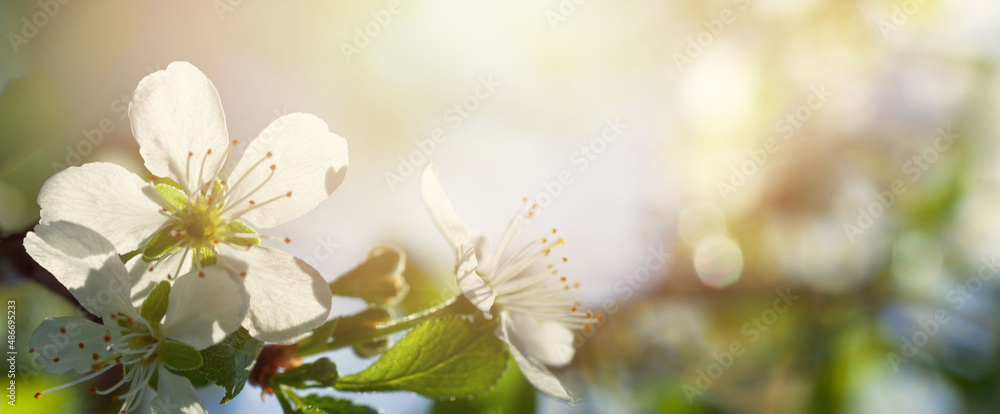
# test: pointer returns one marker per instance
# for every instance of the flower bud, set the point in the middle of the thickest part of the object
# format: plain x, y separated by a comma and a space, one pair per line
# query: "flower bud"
379, 280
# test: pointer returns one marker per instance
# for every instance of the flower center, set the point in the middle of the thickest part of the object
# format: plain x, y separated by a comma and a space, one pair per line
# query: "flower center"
198, 222
540, 292
204, 217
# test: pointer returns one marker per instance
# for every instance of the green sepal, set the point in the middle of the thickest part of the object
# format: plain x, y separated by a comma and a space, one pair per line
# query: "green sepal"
219, 190
238, 227
155, 306
207, 257
128, 256
174, 195
154, 380
161, 244
179, 356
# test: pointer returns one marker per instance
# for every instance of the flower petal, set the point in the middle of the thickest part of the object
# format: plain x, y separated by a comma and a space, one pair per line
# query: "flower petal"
473, 287
105, 197
436, 201
288, 298
293, 165
534, 372
144, 280
85, 263
175, 395
56, 342
204, 307
550, 343
177, 118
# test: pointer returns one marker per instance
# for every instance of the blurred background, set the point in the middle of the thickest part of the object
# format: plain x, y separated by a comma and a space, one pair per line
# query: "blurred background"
779, 206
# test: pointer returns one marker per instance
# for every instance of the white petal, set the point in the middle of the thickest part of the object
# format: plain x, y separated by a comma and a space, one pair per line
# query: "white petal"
174, 113
288, 298
473, 287
441, 212
105, 197
144, 280
204, 307
175, 395
85, 263
534, 372
309, 163
61, 338
550, 343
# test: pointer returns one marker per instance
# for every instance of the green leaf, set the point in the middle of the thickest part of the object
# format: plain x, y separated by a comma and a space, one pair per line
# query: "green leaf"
513, 394
319, 374
440, 358
155, 306
228, 363
315, 404
159, 245
179, 356
195, 376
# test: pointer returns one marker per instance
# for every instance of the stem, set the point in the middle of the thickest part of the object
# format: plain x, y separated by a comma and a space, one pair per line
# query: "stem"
321, 342
279, 392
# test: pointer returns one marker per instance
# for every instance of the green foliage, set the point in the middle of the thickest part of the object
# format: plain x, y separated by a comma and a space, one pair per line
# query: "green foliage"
155, 306
513, 394
316, 404
179, 356
441, 358
228, 363
319, 374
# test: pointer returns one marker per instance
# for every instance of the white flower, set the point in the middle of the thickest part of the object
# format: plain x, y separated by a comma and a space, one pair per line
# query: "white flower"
88, 265
536, 318
196, 214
